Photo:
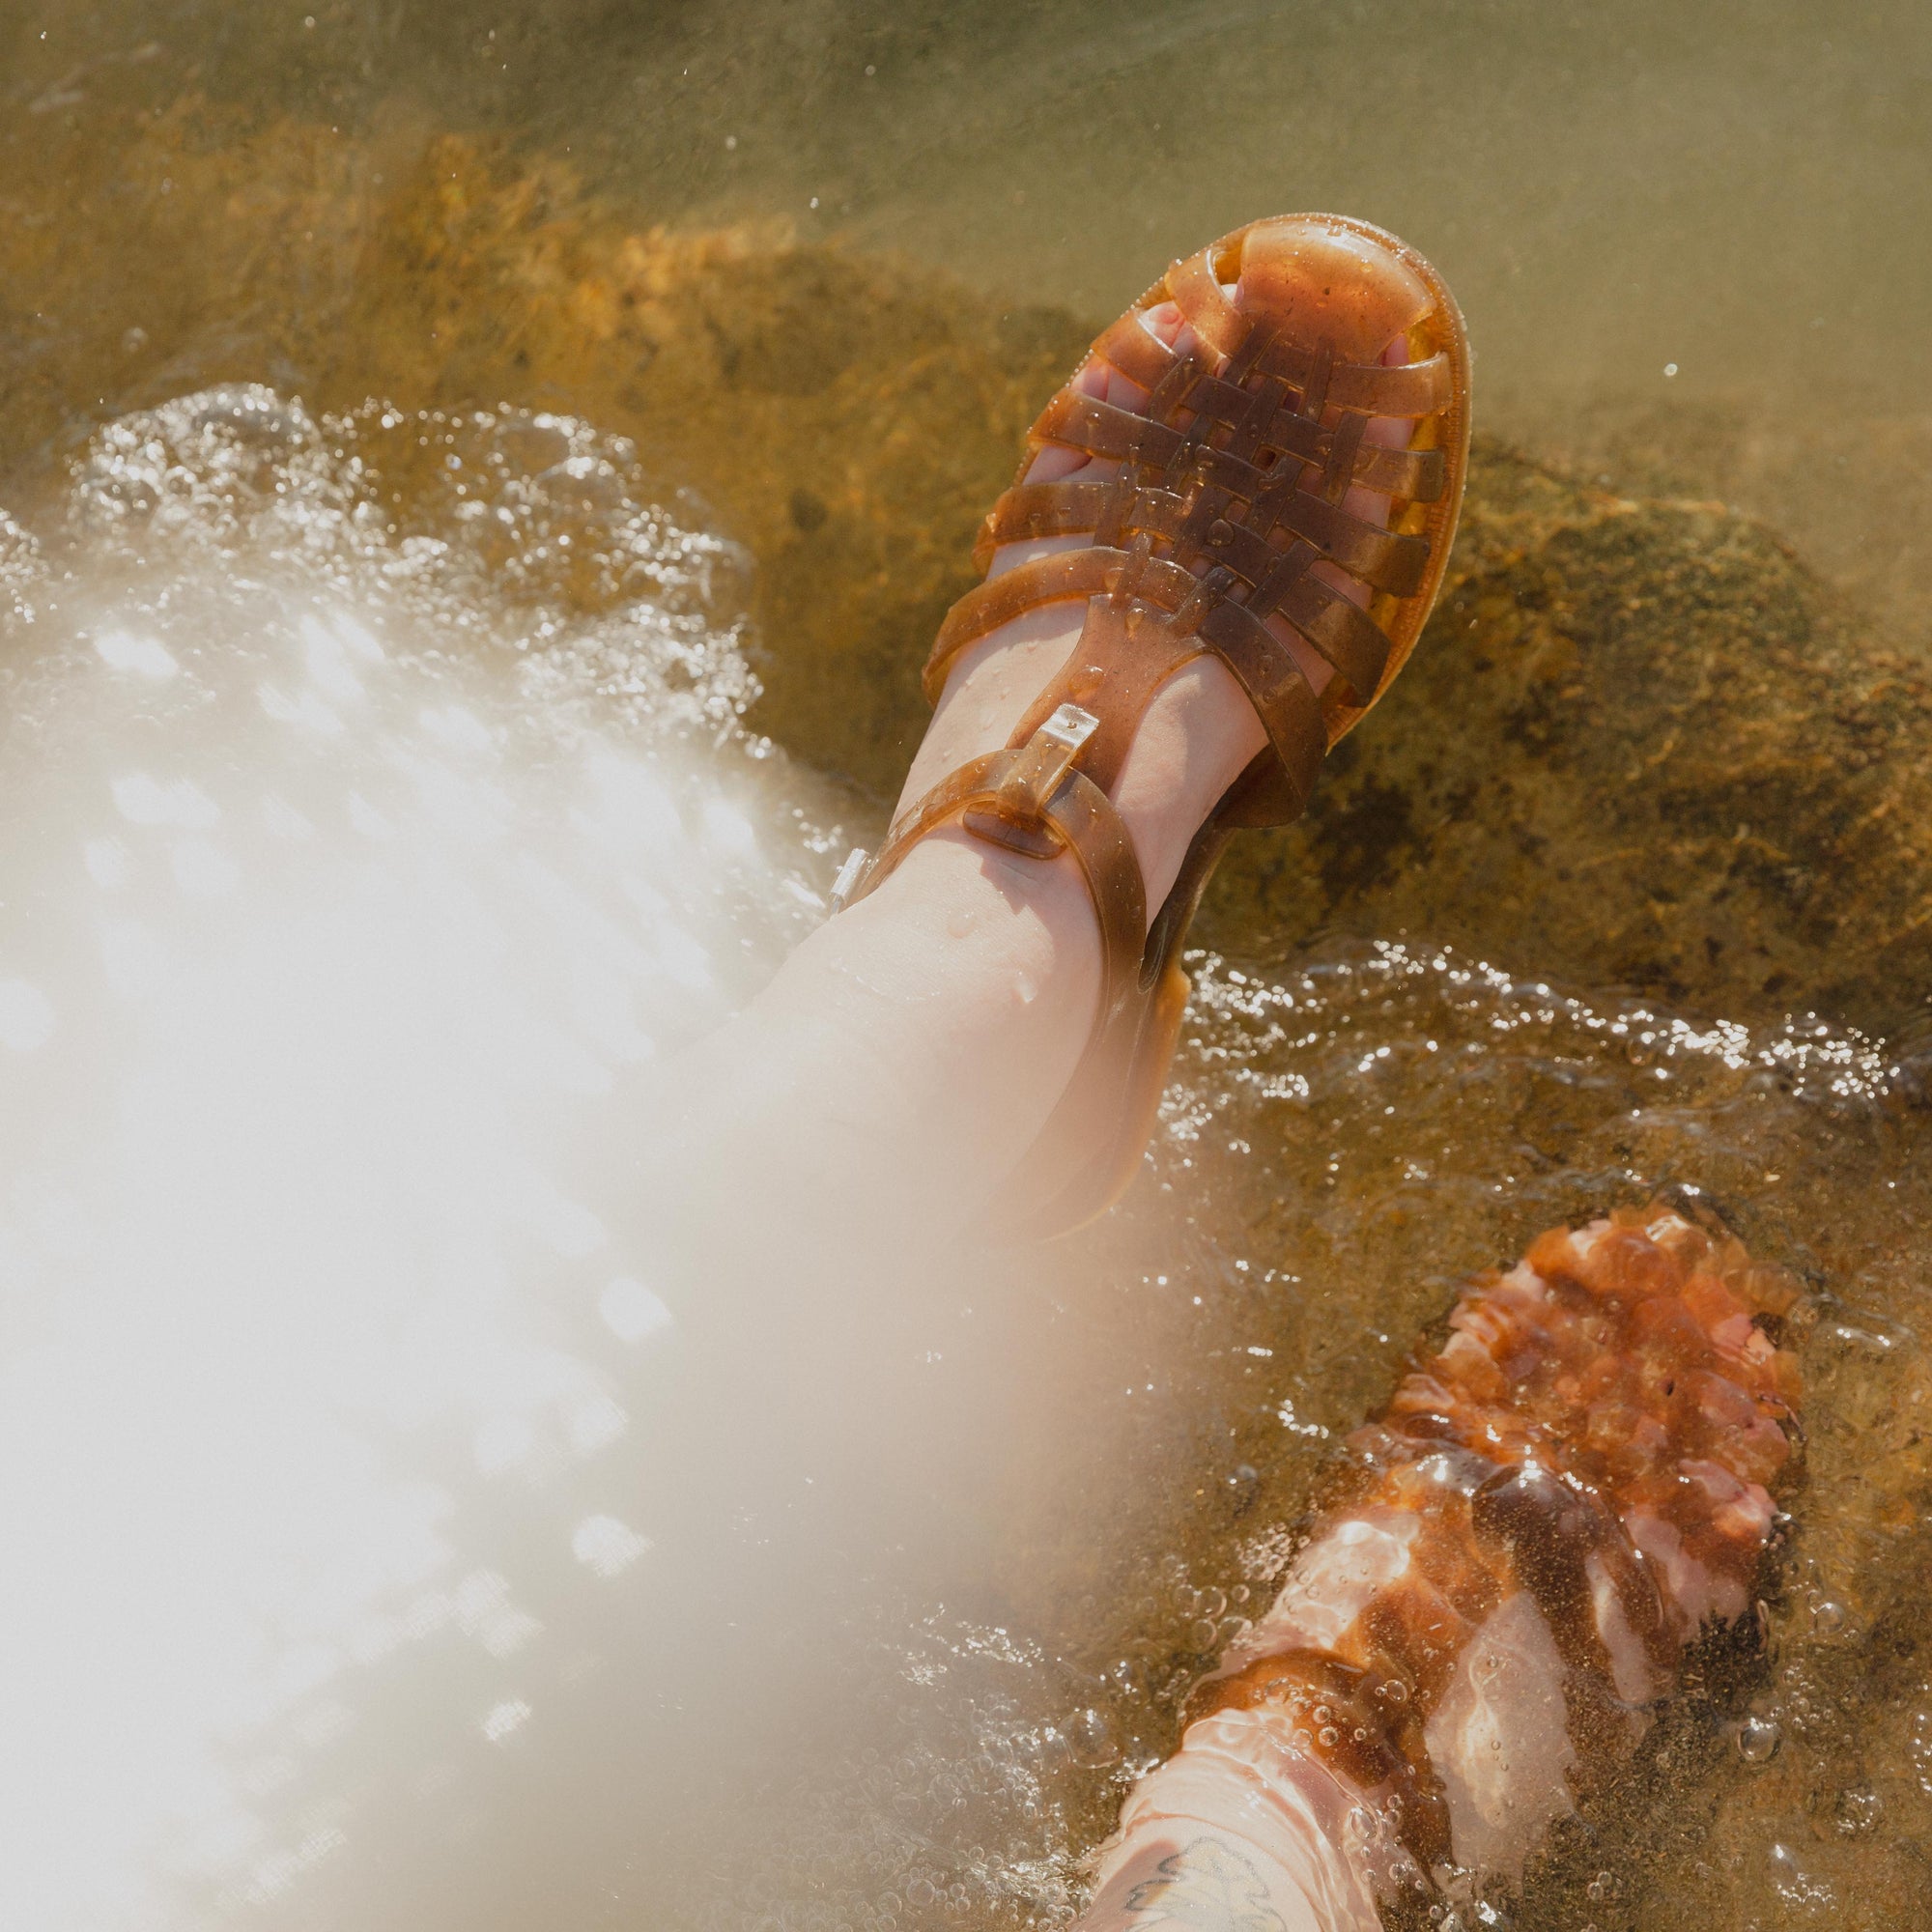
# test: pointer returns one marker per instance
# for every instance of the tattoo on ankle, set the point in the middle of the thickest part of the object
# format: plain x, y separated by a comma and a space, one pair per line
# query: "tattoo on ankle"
1208, 1887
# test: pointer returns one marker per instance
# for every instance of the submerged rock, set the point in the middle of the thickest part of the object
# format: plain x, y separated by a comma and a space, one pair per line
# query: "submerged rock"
1641, 744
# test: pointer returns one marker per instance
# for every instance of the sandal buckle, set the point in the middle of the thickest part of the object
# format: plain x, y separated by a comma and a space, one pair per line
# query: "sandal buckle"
1016, 815
1070, 726
1047, 756
850, 874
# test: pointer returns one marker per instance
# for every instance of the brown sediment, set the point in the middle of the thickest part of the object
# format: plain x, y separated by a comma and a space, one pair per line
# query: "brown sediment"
1614, 1401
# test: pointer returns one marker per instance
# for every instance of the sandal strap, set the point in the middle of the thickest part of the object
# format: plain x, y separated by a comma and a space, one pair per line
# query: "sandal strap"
1147, 617
1239, 478
1032, 801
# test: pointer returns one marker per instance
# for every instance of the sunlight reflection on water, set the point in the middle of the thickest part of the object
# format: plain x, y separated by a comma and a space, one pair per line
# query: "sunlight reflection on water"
323, 946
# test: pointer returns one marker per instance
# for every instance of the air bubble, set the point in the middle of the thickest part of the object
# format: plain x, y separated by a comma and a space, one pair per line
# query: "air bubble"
1758, 1740
1090, 1738
1858, 1812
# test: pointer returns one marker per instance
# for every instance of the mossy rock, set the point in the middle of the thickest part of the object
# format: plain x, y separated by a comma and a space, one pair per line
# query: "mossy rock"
1641, 744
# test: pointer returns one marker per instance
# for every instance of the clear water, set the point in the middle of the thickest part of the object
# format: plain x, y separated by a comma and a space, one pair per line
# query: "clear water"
383, 804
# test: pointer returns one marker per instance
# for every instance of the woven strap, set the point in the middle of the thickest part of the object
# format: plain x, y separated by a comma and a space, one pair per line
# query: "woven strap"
1230, 485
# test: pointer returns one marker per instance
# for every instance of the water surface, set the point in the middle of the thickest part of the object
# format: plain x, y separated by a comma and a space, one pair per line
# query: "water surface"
388, 798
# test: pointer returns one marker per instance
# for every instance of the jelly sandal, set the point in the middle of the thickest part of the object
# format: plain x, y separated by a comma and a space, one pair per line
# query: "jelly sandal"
1229, 490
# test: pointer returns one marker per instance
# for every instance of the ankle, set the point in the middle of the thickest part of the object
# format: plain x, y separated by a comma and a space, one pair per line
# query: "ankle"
1006, 948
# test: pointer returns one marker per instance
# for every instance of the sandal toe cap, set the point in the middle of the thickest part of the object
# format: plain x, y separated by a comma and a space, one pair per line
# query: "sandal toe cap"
1316, 278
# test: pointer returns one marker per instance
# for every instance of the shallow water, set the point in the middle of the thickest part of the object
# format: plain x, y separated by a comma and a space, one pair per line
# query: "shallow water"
386, 803
1685, 237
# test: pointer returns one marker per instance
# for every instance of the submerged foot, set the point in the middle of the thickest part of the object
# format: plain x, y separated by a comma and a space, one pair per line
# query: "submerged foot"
1201, 731
1553, 1507
1228, 534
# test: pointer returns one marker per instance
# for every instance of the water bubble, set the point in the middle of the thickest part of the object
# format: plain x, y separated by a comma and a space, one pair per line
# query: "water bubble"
1201, 1633
607, 1547
145, 657
1858, 1812
1758, 1740
630, 1311
1921, 1748
1828, 1616
504, 1719
1091, 1738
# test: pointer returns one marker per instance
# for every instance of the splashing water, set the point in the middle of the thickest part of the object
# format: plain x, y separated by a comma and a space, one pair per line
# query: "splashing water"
357, 863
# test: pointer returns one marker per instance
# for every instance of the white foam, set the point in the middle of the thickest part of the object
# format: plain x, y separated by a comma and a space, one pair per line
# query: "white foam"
376, 875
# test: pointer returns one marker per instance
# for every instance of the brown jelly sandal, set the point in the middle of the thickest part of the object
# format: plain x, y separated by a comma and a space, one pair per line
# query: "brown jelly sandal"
1229, 486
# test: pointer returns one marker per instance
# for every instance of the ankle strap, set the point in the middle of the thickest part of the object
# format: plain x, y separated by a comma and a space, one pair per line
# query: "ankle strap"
1034, 801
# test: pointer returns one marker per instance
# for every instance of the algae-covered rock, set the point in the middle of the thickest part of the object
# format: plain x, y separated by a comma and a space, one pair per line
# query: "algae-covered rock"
1640, 744
1641, 741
